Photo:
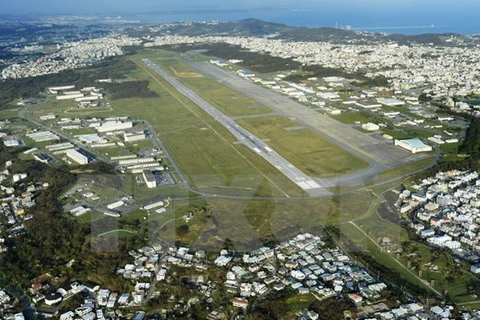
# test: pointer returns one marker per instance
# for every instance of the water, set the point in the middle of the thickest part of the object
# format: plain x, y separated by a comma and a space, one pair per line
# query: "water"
404, 21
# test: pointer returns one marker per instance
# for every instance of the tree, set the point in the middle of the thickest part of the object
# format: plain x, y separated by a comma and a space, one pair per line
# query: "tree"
183, 230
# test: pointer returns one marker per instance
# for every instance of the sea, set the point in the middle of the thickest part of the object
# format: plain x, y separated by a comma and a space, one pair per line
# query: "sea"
410, 20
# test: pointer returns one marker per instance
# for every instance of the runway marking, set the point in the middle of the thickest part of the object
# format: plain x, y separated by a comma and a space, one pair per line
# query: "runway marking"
218, 134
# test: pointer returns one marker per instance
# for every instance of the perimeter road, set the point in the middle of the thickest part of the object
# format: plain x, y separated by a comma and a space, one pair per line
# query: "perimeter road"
251, 141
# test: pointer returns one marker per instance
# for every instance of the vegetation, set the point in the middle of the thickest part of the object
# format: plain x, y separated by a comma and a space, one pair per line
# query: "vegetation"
52, 239
305, 149
114, 68
320, 72
129, 89
254, 61
471, 145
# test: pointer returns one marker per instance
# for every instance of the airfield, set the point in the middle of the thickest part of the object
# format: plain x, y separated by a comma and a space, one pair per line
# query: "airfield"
251, 141
367, 155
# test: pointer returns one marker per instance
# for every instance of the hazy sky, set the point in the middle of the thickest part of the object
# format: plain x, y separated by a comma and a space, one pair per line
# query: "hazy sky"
134, 6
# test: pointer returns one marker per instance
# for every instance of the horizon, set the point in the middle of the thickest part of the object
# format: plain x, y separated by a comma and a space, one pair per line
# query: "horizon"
406, 17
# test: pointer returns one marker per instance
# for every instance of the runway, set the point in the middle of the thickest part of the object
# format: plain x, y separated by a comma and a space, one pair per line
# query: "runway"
306, 183
380, 153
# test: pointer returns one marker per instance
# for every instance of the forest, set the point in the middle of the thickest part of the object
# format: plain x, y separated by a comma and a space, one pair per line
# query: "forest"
129, 89
52, 238
254, 61
113, 68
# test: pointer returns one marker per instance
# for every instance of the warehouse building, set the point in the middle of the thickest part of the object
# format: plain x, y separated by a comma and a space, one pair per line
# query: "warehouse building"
115, 205
71, 96
136, 136
390, 102
114, 126
154, 205
135, 161
149, 178
54, 90
77, 156
370, 126
413, 145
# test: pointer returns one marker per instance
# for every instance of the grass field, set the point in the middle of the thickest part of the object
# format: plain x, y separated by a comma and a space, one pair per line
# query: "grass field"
349, 117
305, 149
384, 258
224, 99
406, 169
450, 148
245, 222
204, 150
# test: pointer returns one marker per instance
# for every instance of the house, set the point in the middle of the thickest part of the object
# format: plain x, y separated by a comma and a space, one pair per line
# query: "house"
356, 298
53, 298
91, 286
475, 269
240, 302
426, 233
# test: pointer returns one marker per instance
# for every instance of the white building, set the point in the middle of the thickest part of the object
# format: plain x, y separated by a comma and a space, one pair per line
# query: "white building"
114, 125
115, 205
149, 178
54, 90
130, 137
413, 145
370, 126
77, 156
390, 102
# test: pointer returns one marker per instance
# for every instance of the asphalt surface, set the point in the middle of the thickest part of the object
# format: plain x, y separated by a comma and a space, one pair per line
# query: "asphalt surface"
381, 154
256, 144
371, 149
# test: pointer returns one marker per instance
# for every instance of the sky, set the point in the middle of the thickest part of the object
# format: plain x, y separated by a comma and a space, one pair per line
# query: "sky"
134, 6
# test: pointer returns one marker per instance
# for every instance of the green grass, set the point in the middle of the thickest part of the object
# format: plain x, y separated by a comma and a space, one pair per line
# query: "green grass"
299, 302
457, 288
378, 228
384, 258
204, 150
53, 106
119, 234
349, 117
396, 134
402, 170
247, 221
450, 148
305, 149
420, 133
224, 99
9, 113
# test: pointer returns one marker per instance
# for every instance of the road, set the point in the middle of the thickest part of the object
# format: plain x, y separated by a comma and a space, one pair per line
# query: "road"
256, 144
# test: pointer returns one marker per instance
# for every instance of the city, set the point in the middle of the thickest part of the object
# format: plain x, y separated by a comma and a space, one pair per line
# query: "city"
179, 170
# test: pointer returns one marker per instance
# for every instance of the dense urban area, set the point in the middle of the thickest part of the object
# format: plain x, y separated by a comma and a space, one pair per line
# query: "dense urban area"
271, 172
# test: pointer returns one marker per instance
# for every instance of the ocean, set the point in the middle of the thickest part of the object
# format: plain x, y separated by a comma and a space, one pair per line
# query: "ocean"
403, 21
